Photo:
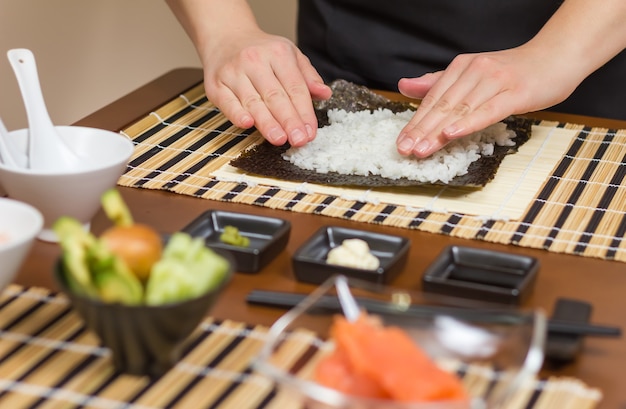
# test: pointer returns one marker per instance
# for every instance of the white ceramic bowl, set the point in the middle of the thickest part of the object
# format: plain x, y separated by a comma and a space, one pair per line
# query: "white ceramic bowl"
19, 225
76, 193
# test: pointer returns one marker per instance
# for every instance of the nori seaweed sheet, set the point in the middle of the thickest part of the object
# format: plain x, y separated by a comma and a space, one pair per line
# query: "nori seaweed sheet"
266, 159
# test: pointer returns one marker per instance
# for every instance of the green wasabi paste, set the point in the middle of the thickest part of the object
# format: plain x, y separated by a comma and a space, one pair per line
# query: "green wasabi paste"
232, 236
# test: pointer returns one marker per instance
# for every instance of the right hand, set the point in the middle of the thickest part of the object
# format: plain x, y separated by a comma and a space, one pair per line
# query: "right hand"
262, 80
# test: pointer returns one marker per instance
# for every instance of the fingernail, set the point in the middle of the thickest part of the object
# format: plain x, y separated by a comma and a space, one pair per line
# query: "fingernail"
245, 119
406, 145
422, 146
275, 135
297, 137
309, 131
451, 130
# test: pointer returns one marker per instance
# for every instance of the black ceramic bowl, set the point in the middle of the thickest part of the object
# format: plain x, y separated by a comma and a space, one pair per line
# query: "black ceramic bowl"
268, 236
309, 261
482, 274
144, 340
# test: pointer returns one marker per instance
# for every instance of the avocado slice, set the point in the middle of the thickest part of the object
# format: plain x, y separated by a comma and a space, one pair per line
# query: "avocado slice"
75, 241
115, 208
116, 285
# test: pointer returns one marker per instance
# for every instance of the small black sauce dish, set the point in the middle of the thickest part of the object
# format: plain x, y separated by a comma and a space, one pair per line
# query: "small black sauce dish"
482, 274
309, 261
268, 236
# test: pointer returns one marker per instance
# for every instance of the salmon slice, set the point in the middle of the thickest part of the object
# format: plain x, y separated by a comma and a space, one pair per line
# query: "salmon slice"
377, 361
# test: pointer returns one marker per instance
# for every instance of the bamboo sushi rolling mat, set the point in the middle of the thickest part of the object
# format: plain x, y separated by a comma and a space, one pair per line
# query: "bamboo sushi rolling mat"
48, 359
565, 191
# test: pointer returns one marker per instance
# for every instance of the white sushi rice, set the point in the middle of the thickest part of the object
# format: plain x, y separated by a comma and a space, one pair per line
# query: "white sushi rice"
364, 143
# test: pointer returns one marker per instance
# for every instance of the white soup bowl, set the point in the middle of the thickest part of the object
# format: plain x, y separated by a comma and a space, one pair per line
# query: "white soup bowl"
20, 223
76, 193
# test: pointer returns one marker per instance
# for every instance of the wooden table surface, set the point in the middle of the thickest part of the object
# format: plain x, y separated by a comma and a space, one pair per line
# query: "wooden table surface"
602, 283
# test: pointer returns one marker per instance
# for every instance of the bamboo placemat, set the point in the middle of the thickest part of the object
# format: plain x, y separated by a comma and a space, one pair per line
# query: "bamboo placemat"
48, 359
577, 207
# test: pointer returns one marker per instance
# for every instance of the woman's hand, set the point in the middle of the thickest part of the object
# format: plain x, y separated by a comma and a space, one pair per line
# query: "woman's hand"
255, 78
265, 81
477, 90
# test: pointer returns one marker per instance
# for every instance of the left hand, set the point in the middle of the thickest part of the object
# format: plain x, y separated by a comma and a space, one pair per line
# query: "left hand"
477, 90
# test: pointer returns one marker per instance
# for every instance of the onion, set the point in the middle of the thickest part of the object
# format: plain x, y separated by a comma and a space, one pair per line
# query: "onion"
140, 246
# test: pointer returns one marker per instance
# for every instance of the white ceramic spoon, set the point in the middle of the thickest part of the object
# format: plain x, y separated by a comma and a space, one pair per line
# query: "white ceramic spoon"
46, 149
10, 154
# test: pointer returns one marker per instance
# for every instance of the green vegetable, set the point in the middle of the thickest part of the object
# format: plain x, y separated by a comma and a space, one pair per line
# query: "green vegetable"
116, 287
75, 241
232, 236
115, 208
91, 269
187, 269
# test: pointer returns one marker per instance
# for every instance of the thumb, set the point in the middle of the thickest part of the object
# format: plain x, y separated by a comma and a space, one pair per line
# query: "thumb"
313, 79
418, 87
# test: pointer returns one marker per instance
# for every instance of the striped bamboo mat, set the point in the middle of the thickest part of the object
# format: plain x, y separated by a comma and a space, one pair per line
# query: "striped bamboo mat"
580, 207
48, 359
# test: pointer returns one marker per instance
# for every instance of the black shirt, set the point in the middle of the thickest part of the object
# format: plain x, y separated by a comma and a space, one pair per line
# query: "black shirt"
377, 42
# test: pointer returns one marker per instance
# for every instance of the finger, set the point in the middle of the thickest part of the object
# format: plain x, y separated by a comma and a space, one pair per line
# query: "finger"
294, 82
476, 104
488, 113
287, 103
479, 119
254, 103
422, 134
229, 105
318, 89
418, 87
466, 94
421, 145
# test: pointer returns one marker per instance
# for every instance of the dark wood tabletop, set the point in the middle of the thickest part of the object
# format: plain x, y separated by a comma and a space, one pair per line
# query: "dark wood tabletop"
602, 283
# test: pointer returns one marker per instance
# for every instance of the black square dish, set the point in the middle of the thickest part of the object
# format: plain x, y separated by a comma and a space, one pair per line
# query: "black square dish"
309, 261
481, 274
268, 236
